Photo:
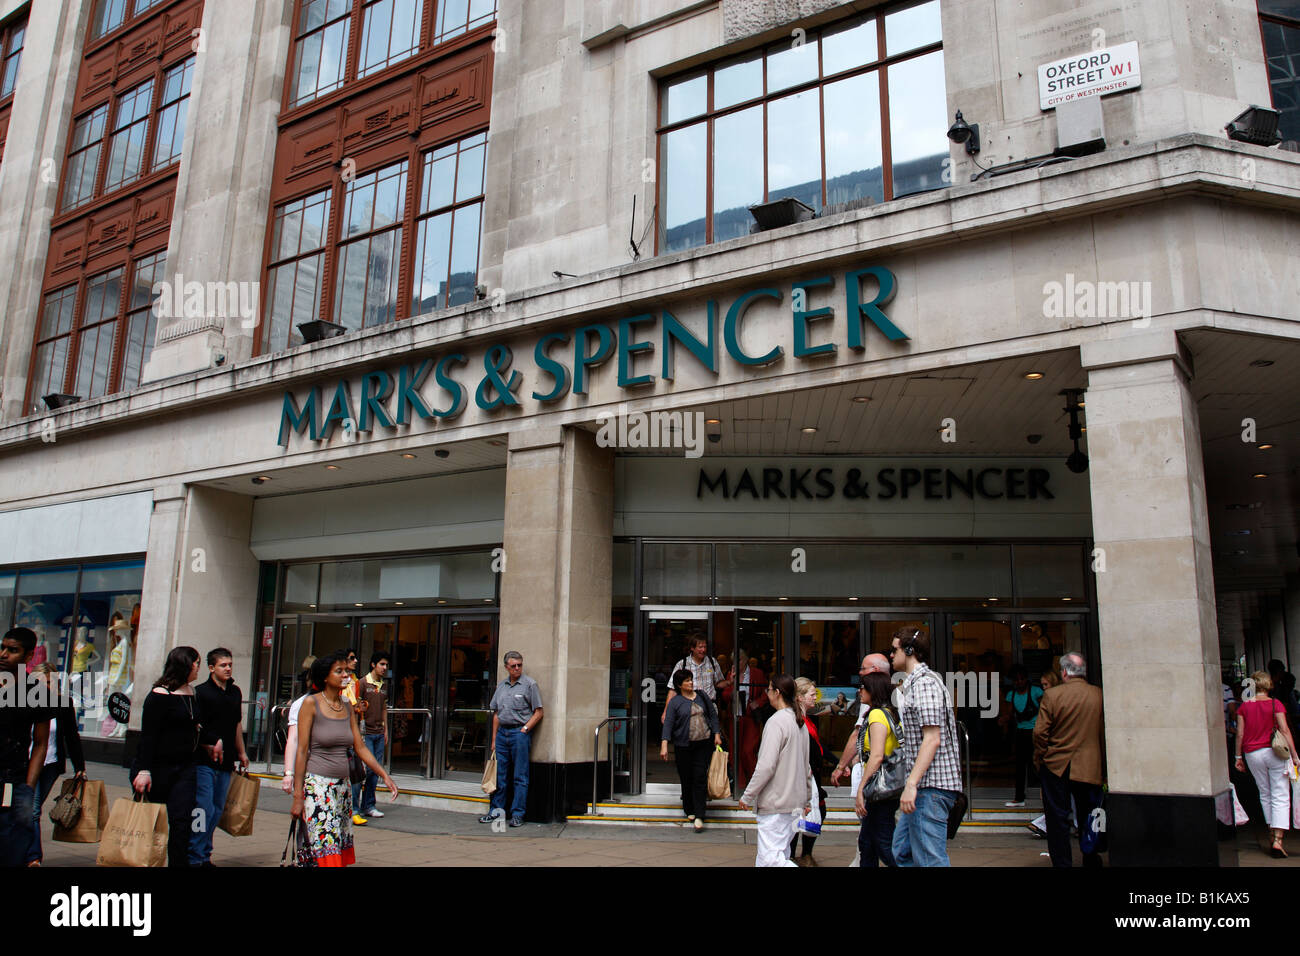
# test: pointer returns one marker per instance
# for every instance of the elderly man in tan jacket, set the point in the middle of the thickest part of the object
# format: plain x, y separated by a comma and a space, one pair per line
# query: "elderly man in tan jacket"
1069, 752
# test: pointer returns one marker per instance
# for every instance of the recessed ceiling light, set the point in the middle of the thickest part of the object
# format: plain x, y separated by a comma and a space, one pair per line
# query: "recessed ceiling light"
923, 599
713, 421
441, 601
1259, 474
1033, 376
852, 599
1261, 363
407, 455
808, 430
399, 603
261, 478
1264, 447
783, 599
358, 605
1067, 599
331, 467
313, 605
861, 399
1083, 404
992, 599
442, 453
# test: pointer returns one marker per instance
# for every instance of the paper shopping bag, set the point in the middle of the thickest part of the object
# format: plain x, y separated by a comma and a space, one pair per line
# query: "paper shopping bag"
241, 804
136, 835
719, 784
489, 784
94, 815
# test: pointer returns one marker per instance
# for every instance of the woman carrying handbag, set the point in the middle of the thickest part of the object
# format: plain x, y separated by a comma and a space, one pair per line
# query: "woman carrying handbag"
64, 743
883, 774
1264, 738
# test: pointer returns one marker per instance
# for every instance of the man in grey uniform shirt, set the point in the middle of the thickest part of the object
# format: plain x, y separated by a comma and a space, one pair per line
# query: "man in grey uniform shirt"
516, 709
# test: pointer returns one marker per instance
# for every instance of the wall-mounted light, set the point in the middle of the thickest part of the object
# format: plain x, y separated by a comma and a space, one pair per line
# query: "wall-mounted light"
963, 132
58, 400
320, 329
1077, 461
1255, 124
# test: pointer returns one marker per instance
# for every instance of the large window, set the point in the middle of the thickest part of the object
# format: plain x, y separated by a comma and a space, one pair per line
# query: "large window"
100, 354
11, 55
391, 31
152, 111
111, 14
1280, 26
373, 236
855, 112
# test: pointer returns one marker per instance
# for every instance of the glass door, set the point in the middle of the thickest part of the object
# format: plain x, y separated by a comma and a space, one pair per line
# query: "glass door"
410, 686
981, 652
669, 636
759, 649
463, 718
830, 654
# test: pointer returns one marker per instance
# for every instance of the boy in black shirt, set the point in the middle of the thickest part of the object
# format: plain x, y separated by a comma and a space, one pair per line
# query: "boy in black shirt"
21, 726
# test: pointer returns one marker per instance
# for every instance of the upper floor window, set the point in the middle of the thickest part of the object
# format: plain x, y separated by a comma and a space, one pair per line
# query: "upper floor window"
325, 58
151, 112
11, 50
95, 336
1280, 26
111, 14
857, 111
364, 245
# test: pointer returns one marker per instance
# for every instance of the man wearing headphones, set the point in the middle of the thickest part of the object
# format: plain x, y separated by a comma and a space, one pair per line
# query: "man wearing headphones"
930, 751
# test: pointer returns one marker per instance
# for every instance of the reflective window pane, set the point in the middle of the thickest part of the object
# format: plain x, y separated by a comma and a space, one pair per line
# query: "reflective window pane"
847, 47
913, 27
102, 661
918, 126
390, 33
683, 99
738, 82
1282, 52
1049, 573
108, 17
737, 171
854, 168
676, 573
684, 184
791, 64
464, 254
794, 148
432, 258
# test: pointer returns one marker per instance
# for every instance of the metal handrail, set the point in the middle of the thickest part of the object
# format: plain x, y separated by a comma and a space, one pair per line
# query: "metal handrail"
970, 803
595, 758
426, 748
269, 735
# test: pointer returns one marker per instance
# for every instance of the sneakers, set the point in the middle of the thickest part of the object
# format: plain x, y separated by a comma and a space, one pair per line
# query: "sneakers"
699, 825
516, 821
488, 817
1014, 803
374, 813
358, 820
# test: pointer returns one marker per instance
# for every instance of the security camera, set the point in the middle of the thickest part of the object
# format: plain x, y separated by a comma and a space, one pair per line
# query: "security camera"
1033, 439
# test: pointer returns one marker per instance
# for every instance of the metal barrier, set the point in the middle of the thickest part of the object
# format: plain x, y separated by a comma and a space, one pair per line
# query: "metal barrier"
268, 736
970, 796
426, 739
595, 757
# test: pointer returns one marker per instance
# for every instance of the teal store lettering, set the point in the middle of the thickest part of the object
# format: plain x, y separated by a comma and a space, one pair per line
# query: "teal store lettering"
565, 361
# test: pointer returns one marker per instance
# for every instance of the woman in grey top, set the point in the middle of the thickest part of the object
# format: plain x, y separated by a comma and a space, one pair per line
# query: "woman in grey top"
691, 723
322, 795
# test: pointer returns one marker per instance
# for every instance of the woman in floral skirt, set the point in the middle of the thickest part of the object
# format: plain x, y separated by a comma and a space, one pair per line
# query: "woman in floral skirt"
322, 794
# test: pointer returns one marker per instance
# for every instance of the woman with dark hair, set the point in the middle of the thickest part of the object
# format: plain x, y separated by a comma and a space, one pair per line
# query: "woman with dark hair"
781, 787
689, 720
876, 837
1024, 700
169, 743
322, 792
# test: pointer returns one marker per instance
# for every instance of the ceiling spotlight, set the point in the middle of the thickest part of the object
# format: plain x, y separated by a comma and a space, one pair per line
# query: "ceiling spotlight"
1033, 439
407, 455
713, 421
861, 399
442, 453
1033, 376
260, 480
1259, 475
1264, 447
331, 467
399, 603
963, 132
808, 430
1257, 125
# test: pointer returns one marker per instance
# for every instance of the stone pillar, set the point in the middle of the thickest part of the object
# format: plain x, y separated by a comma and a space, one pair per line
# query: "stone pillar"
1166, 756
223, 190
555, 600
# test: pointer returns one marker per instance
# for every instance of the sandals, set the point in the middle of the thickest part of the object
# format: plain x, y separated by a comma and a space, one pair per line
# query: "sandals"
1277, 852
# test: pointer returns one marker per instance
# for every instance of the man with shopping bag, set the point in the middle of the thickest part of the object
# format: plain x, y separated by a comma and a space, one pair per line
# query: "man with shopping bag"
20, 728
221, 740
241, 805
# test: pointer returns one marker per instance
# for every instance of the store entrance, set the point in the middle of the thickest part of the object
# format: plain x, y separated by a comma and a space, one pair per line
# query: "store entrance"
441, 679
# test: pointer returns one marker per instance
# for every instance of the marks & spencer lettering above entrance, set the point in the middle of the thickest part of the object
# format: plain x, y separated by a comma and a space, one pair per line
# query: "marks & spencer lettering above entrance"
440, 388
883, 484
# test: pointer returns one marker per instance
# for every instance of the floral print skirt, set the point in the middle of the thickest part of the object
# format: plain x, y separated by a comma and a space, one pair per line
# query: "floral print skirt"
327, 811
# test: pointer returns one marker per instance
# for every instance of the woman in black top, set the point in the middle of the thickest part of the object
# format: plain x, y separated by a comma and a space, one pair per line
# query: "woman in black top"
64, 743
691, 723
169, 742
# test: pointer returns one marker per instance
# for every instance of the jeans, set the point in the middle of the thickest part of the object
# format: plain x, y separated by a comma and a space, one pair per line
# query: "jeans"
210, 788
49, 774
1057, 792
375, 744
1024, 760
513, 749
16, 824
693, 772
876, 837
921, 837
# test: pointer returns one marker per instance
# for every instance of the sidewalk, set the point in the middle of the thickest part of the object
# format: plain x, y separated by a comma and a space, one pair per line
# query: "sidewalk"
410, 836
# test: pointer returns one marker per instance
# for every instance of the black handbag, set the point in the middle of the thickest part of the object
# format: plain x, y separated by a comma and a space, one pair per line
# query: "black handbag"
356, 769
888, 781
296, 852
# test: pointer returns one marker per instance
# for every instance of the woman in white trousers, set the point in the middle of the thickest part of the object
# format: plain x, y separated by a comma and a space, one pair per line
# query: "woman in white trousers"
1257, 719
781, 787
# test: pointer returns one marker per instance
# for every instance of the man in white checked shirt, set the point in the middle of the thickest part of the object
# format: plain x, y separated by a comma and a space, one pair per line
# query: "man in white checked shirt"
708, 675
930, 751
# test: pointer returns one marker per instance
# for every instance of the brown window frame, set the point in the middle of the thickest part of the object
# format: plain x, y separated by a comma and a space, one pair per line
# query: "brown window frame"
133, 11
429, 41
1289, 23
16, 26
711, 115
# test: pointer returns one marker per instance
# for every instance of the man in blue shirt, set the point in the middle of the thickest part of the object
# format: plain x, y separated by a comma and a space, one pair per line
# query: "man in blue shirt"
516, 709
1024, 699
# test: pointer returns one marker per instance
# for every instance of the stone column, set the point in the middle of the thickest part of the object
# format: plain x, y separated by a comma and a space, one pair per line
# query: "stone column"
1166, 755
223, 192
555, 600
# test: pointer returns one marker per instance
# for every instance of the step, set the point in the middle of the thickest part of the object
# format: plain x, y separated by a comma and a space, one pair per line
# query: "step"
457, 796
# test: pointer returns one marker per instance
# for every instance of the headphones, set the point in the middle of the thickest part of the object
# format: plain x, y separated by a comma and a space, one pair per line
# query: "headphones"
908, 644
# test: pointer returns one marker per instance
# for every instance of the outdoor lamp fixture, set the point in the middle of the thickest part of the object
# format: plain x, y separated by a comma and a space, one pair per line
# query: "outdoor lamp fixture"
1257, 124
1077, 462
320, 329
962, 132
780, 212
58, 400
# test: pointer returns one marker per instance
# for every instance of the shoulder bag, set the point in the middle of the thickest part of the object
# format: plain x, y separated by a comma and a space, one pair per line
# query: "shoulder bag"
1278, 740
66, 811
891, 776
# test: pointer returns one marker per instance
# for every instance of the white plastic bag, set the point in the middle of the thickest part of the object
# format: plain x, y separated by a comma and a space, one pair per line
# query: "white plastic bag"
811, 822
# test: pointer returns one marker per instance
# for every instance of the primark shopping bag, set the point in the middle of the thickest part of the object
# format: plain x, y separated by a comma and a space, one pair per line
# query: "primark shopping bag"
136, 834
241, 804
